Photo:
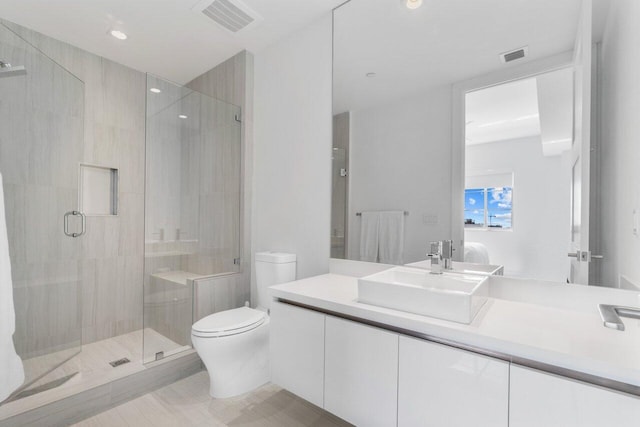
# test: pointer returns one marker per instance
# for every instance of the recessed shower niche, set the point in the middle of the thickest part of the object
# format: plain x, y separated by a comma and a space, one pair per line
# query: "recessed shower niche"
98, 190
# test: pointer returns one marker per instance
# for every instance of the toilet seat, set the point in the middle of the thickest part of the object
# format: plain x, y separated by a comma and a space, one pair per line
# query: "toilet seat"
228, 322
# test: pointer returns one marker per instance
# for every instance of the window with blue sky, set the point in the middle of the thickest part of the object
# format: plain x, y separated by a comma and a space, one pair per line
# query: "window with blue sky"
488, 207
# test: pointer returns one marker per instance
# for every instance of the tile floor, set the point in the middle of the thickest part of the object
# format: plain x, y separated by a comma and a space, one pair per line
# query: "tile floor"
94, 358
92, 366
187, 403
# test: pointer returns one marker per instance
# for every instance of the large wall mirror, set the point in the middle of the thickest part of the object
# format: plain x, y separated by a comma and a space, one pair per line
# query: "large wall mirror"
509, 127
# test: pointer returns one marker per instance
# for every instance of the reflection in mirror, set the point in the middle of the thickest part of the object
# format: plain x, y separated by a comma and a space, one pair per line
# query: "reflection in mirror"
339, 184
517, 173
512, 135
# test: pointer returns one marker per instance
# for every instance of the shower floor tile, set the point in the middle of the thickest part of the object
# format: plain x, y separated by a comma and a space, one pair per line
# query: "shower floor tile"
187, 403
91, 365
95, 357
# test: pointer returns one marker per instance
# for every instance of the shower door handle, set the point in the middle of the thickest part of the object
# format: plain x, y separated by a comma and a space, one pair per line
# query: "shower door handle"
66, 223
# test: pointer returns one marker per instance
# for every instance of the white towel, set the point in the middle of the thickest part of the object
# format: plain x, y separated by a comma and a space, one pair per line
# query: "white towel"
391, 237
369, 225
11, 370
476, 253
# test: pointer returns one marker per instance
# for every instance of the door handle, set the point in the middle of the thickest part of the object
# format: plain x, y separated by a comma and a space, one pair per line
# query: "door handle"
587, 257
584, 256
66, 223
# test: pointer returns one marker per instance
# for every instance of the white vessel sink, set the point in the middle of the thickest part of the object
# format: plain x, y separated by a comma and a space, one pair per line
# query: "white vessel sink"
456, 297
464, 268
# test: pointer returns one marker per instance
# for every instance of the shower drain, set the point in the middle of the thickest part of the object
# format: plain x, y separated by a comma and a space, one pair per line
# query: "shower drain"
119, 362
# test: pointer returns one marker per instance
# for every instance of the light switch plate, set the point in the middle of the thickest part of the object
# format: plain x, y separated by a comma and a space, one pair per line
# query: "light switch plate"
429, 219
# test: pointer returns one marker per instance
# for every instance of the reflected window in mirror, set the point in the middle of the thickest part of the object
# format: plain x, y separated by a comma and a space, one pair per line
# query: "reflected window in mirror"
488, 208
448, 107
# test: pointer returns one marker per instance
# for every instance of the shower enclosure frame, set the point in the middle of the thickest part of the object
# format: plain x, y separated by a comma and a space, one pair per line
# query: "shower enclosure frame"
44, 120
203, 134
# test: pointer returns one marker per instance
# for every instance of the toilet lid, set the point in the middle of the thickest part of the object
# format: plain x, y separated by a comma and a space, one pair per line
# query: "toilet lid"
229, 322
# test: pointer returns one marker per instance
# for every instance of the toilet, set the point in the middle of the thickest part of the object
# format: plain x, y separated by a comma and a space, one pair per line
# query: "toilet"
234, 344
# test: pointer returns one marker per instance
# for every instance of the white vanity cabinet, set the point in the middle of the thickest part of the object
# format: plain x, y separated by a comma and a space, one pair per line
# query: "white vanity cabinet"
361, 373
541, 399
297, 351
445, 386
374, 377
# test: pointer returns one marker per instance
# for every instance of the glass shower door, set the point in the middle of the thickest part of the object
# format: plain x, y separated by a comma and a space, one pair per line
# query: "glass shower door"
41, 146
338, 202
192, 207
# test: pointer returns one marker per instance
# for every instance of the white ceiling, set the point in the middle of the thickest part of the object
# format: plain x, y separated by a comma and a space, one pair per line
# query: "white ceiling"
498, 113
166, 37
555, 101
538, 106
443, 42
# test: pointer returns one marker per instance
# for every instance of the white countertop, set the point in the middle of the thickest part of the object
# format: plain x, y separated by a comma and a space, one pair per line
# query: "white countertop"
544, 322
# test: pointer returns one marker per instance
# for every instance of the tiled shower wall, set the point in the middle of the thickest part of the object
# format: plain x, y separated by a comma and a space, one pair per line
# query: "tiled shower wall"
114, 136
232, 82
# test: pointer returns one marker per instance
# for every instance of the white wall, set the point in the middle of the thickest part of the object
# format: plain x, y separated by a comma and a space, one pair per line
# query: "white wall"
400, 159
292, 152
620, 139
536, 246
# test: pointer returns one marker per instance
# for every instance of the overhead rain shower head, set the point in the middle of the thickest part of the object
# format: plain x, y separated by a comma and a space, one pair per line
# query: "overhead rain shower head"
6, 70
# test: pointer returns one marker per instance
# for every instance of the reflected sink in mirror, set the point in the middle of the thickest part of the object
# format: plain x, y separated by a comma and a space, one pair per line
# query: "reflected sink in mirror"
456, 297
464, 268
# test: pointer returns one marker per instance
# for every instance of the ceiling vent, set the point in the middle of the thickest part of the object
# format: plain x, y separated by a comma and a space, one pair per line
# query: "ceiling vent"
232, 15
514, 55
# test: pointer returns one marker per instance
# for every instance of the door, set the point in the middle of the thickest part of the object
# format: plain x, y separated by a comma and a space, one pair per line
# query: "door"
338, 203
41, 146
434, 380
579, 251
297, 351
361, 373
540, 399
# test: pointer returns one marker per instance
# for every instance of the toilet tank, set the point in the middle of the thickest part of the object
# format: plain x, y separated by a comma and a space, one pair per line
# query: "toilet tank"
273, 268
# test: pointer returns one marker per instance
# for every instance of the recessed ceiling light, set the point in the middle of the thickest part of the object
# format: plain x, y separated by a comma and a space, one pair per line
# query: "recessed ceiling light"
371, 74
118, 34
413, 4
182, 116
155, 90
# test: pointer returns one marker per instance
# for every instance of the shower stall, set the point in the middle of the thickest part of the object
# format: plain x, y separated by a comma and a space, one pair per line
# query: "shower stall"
41, 145
192, 207
106, 254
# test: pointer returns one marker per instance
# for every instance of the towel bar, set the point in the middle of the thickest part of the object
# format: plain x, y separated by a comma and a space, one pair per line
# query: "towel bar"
360, 213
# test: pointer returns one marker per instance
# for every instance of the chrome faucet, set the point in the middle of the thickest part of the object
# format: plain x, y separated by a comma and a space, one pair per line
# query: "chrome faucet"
441, 255
611, 315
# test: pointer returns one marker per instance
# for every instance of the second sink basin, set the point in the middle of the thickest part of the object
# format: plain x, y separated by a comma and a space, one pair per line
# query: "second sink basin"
455, 297
464, 268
